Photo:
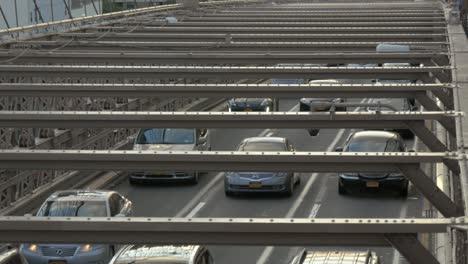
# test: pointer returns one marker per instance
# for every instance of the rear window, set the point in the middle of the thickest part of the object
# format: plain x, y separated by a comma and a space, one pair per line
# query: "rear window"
74, 208
263, 146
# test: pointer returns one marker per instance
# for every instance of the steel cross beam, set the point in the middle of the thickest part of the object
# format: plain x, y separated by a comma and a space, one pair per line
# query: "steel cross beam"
299, 18
224, 90
215, 231
152, 22
219, 72
297, 30
200, 57
407, 163
254, 37
103, 119
229, 45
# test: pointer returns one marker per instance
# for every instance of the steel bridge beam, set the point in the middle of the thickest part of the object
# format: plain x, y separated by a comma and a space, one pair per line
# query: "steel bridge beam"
201, 57
216, 231
411, 248
276, 30
115, 36
418, 91
306, 18
229, 45
76, 119
400, 23
219, 72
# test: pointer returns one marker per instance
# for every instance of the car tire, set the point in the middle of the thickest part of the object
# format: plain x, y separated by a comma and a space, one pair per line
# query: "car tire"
290, 188
404, 192
228, 193
132, 181
304, 108
194, 180
342, 190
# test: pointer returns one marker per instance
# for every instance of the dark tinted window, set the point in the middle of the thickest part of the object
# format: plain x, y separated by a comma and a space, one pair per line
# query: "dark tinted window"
373, 146
74, 208
263, 146
166, 136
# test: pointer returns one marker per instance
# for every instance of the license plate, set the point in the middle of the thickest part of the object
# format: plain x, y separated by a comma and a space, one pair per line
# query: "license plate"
57, 262
255, 185
372, 184
247, 110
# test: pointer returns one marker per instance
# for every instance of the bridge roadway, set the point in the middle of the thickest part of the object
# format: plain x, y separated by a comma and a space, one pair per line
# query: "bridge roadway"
316, 196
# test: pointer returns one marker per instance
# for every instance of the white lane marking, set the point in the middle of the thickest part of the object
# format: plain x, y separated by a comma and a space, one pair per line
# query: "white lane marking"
269, 134
218, 177
199, 195
195, 210
314, 211
268, 250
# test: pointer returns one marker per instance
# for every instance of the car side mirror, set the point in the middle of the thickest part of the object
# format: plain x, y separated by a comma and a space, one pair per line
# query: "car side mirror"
339, 149
201, 140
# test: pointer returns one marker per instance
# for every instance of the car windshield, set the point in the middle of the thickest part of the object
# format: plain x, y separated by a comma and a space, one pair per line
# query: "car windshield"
394, 81
155, 254
373, 146
74, 208
166, 136
262, 146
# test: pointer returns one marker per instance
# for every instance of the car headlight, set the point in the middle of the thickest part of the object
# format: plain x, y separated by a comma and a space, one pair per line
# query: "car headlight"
89, 247
31, 247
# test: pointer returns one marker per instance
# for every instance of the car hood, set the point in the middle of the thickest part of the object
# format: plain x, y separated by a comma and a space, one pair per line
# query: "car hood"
164, 147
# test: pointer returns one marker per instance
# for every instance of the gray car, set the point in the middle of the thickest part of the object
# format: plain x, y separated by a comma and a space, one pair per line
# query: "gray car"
84, 203
335, 257
247, 182
145, 254
169, 139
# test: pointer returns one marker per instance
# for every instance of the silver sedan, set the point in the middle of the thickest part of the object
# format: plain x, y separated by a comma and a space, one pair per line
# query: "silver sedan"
247, 182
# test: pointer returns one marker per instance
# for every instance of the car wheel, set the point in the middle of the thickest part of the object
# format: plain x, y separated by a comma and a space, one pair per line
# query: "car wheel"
404, 192
132, 181
290, 188
304, 108
342, 190
194, 180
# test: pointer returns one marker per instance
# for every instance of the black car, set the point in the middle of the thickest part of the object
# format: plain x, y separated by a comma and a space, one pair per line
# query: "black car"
373, 141
250, 104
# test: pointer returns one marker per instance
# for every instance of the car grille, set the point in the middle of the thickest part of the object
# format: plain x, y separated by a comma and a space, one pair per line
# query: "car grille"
58, 251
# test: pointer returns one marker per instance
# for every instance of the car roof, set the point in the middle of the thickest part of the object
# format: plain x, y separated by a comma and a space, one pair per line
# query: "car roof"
277, 140
374, 135
82, 195
331, 81
155, 253
335, 257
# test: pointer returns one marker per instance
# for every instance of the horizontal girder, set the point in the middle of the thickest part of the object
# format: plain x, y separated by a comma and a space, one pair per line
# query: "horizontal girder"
216, 231
77, 119
217, 160
219, 90
220, 72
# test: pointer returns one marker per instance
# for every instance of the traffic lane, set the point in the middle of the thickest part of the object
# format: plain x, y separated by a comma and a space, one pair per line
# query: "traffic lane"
329, 204
215, 204
169, 200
